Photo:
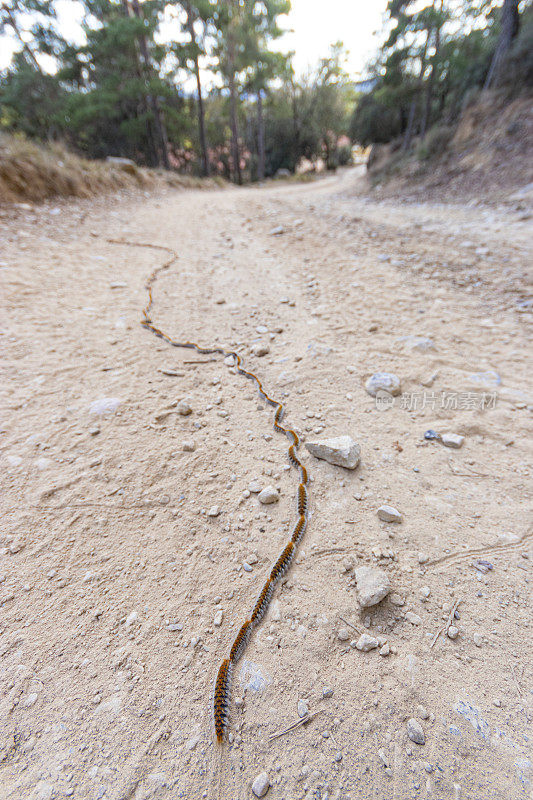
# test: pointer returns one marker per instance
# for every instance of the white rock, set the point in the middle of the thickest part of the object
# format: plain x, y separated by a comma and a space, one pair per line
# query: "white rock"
260, 349
372, 585
219, 616
389, 514
478, 639
340, 451
214, 511
366, 643
385, 650
277, 231
268, 495
423, 558
188, 446
343, 634
422, 344
413, 618
383, 382
30, 700
261, 785
452, 440
105, 405
452, 632
255, 486
303, 708
415, 731
184, 408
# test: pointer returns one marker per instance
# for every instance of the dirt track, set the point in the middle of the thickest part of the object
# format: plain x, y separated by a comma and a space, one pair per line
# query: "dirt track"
111, 567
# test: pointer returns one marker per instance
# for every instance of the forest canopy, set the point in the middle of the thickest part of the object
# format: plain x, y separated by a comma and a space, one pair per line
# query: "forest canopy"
222, 98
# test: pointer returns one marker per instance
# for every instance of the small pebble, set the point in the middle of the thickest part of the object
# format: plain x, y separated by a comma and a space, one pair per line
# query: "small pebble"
343, 634
478, 639
452, 632
385, 650
423, 558
452, 440
327, 691
365, 643
184, 408
261, 785
303, 708
415, 731
260, 350
268, 495
372, 585
214, 511
188, 446
389, 514
217, 620
383, 382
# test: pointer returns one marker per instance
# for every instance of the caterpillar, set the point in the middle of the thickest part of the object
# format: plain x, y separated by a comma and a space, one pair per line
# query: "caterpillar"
241, 640
262, 602
302, 499
222, 692
221, 702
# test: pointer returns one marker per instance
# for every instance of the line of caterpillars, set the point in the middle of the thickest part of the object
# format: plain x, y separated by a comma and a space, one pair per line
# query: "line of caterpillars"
222, 694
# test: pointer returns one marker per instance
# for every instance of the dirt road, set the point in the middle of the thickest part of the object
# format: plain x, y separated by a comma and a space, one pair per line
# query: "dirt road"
113, 572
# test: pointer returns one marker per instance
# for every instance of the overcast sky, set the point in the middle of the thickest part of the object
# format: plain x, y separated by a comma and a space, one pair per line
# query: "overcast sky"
315, 24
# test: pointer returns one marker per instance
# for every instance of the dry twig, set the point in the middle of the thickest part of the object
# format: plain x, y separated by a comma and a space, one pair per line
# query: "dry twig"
298, 724
447, 624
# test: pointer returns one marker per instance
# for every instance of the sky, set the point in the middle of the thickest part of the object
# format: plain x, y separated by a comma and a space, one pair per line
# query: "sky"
315, 25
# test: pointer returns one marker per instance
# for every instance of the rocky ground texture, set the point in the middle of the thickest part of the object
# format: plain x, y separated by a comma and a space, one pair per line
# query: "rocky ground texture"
146, 497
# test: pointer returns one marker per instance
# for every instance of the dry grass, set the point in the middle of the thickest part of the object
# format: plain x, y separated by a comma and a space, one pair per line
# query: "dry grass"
31, 172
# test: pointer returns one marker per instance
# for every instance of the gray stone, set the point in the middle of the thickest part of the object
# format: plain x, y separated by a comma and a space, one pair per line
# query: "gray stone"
277, 231
340, 451
389, 514
385, 650
255, 486
188, 446
372, 585
366, 643
214, 511
343, 634
105, 405
261, 785
452, 440
260, 349
268, 495
383, 382
303, 708
421, 344
413, 618
184, 408
415, 731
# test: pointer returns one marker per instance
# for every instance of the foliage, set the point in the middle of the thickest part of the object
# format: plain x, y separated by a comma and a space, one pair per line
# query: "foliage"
435, 57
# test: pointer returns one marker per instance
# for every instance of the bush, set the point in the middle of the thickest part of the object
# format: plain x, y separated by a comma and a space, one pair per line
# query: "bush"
374, 123
435, 143
344, 155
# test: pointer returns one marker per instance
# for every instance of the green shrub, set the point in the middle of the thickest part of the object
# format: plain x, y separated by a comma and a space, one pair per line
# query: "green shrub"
435, 142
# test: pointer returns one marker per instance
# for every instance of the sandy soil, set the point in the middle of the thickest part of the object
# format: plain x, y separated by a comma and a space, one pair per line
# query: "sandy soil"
112, 572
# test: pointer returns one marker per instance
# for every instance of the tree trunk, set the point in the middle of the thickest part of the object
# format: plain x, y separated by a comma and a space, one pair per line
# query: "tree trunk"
509, 28
260, 137
430, 86
159, 123
25, 46
235, 155
409, 133
201, 114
